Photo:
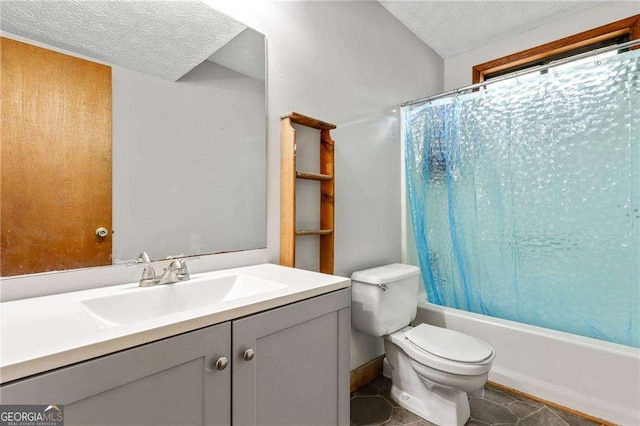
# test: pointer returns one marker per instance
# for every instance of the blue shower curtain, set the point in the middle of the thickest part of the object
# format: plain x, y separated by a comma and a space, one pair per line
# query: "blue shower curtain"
525, 198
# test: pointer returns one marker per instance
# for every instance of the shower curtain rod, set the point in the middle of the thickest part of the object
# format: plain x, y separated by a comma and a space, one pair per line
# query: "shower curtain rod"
524, 72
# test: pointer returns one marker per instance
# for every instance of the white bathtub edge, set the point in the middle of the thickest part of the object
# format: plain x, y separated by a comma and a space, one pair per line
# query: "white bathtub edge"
598, 378
597, 407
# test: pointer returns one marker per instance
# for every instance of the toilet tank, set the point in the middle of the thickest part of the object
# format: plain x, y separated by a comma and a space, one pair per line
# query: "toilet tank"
384, 299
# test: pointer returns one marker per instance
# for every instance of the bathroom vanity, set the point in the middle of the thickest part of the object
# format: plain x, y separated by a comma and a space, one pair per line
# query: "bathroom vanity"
279, 356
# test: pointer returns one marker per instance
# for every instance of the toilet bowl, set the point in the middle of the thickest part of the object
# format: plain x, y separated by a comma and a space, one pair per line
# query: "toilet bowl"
432, 368
432, 386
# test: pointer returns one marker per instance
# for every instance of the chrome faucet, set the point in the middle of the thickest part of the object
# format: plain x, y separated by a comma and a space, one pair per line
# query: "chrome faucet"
148, 278
176, 271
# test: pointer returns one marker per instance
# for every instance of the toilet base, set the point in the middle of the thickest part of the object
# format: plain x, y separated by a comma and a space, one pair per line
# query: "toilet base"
434, 395
386, 368
441, 408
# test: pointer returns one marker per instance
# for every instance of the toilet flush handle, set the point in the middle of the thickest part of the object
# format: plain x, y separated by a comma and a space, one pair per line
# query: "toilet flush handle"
383, 287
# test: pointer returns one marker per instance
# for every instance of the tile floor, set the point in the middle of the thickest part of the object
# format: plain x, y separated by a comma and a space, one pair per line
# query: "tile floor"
372, 405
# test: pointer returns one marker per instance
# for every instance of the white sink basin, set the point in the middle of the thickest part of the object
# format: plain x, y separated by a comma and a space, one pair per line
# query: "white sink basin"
139, 304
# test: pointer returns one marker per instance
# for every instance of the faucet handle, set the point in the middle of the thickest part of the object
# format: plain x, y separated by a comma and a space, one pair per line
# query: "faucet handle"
183, 273
183, 260
142, 258
172, 273
175, 256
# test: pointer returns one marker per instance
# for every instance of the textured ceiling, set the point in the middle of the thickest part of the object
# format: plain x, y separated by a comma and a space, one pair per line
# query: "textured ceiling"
454, 27
162, 38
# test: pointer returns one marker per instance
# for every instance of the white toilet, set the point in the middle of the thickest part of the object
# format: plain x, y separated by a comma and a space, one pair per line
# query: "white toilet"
432, 368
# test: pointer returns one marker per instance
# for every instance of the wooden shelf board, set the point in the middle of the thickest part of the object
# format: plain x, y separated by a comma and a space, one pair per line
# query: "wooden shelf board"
318, 232
312, 176
308, 121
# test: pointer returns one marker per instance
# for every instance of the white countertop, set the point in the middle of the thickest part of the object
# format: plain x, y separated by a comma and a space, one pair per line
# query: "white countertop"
43, 333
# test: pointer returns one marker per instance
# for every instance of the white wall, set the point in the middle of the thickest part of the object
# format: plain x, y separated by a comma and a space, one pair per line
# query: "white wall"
347, 63
368, 215
457, 69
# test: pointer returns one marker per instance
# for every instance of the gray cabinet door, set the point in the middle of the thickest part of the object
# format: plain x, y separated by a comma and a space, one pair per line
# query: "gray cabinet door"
169, 382
300, 372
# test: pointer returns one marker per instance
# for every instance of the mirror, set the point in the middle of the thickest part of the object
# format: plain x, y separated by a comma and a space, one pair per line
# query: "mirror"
126, 127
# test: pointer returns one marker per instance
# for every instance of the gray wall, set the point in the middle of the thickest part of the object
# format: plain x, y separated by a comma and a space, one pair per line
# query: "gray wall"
347, 63
189, 161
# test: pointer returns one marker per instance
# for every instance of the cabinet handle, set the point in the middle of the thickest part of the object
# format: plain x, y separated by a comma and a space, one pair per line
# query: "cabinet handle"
222, 363
249, 354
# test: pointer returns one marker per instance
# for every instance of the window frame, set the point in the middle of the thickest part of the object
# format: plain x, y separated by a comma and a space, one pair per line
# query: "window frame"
629, 26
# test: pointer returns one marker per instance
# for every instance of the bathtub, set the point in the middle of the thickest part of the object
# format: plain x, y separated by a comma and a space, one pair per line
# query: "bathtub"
594, 377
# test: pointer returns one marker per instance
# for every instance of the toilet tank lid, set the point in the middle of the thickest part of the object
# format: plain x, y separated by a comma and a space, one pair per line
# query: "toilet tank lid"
385, 274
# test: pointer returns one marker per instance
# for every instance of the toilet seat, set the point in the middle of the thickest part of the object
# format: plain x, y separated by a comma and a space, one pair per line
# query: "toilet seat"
437, 362
449, 344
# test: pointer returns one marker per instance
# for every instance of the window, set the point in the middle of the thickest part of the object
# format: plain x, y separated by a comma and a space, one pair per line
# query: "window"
617, 32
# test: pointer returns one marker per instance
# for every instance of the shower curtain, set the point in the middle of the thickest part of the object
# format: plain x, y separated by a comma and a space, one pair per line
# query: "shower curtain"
525, 198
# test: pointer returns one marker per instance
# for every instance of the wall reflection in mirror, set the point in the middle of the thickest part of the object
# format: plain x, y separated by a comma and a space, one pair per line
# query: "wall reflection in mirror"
128, 126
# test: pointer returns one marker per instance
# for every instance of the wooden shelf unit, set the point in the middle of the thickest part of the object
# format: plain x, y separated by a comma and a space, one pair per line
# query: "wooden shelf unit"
288, 176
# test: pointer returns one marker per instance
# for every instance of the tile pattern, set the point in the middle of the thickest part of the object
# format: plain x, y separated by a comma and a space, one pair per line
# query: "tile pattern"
372, 405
